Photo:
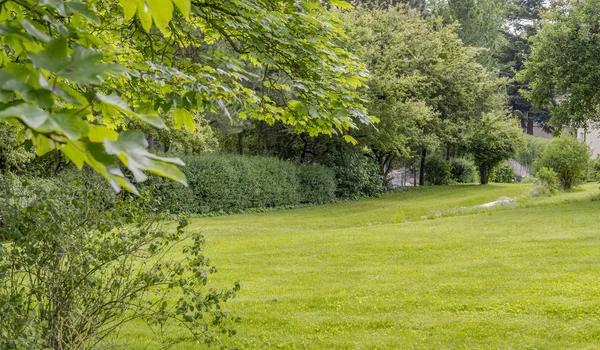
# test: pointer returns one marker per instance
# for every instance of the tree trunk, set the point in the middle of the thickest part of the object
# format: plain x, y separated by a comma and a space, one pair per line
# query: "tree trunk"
240, 143
529, 124
484, 174
422, 167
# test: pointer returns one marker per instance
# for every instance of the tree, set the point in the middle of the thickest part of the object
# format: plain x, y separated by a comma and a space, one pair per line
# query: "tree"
497, 137
564, 64
481, 24
523, 23
426, 88
73, 73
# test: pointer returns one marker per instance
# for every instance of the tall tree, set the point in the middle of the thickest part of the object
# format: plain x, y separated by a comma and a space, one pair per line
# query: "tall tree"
481, 24
426, 87
564, 65
522, 23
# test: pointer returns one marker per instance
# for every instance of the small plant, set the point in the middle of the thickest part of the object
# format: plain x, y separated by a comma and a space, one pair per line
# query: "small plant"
437, 170
504, 173
546, 181
568, 157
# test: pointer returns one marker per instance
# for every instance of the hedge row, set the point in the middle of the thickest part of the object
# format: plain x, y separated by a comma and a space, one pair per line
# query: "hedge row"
233, 183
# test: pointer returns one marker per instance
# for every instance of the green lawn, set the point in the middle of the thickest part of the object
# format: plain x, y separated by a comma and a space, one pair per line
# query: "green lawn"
391, 273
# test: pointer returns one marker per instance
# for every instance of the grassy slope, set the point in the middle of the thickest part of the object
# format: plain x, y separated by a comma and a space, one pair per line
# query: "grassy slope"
377, 274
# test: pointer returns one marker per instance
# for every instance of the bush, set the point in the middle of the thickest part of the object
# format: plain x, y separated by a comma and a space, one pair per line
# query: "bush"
568, 157
437, 170
546, 181
594, 170
504, 173
356, 175
233, 183
72, 274
317, 184
463, 170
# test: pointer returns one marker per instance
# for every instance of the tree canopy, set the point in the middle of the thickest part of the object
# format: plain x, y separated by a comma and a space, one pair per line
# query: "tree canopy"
564, 63
426, 87
73, 74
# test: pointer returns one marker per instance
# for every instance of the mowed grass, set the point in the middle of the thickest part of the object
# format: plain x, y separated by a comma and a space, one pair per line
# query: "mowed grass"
391, 273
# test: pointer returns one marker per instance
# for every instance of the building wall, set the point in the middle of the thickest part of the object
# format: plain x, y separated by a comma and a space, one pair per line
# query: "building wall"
592, 138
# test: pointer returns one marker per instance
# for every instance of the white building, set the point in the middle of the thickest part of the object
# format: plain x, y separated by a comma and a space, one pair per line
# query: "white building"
592, 138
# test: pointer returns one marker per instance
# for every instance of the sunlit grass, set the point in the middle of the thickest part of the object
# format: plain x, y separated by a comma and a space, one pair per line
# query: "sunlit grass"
388, 273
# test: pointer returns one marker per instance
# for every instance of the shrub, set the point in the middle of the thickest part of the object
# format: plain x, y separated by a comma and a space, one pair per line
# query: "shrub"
546, 181
356, 175
317, 184
233, 183
463, 170
568, 157
594, 170
72, 275
504, 173
437, 170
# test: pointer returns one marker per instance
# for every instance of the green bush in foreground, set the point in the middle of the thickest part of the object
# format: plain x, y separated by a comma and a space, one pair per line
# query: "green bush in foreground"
232, 183
568, 157
72, 272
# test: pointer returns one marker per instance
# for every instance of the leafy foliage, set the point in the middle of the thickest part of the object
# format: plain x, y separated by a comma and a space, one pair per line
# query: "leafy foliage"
426, 88
437, 170
594, 170
356, 175
72, 272
563, 63
568, 157
463, 170
75, 74
534, 147
233, 183
481, 24
503, 173
13, 155
496, 138
546, 181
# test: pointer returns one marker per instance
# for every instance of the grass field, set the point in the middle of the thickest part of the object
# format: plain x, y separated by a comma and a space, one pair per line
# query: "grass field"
412, 270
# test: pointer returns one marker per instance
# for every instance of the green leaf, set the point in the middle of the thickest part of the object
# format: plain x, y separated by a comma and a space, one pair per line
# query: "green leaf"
115, 101
144, 15
29, 114
42, 144
341, 4
350, 139
162, 13
129, 8
67, 8
33, 31
54, 57
131, 149
184, 6
85, 66
99, 133
71, 126
184, 117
